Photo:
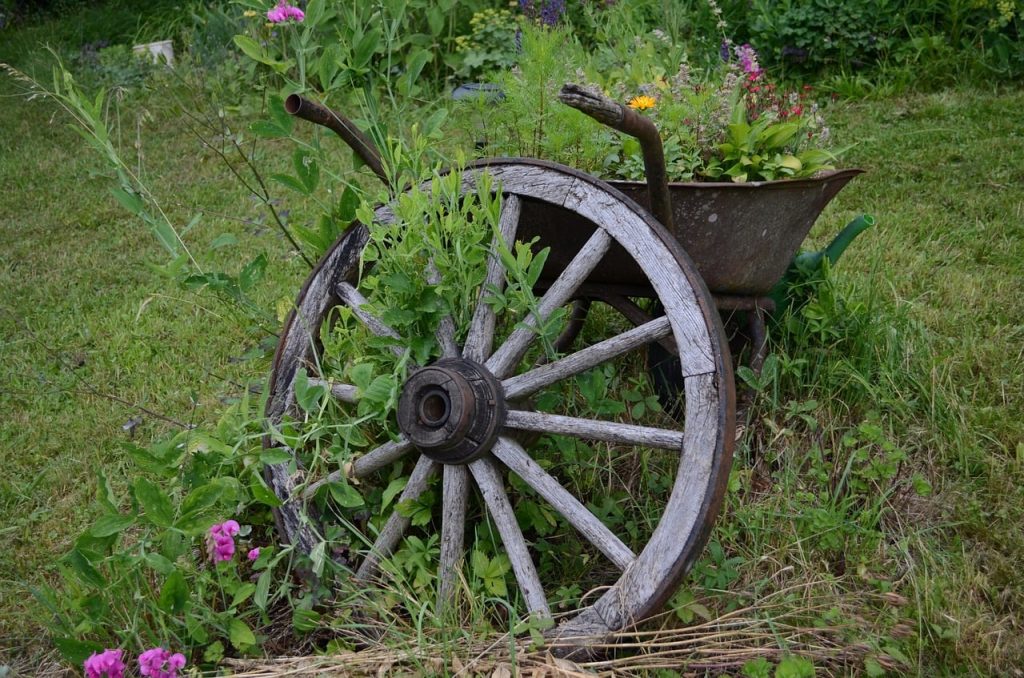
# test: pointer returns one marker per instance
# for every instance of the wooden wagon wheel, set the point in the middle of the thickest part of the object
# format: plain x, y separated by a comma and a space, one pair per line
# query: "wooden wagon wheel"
459, 415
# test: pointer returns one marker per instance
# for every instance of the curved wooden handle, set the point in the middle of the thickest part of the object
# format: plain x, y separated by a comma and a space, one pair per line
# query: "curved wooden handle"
628, 121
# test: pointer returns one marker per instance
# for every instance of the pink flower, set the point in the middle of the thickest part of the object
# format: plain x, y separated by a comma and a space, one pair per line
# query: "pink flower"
152, 663
108, 663
253, 553
220, 543
283, 12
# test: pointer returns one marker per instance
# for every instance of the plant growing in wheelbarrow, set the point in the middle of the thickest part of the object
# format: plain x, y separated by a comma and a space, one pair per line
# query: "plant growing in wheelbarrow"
741, 170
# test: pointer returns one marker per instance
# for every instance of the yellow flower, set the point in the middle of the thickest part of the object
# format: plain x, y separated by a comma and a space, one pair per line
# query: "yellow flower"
250, 13
642, 102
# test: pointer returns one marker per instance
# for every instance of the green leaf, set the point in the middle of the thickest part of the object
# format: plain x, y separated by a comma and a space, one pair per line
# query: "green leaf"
252, 49
214, 652
290, 182
308, 396
111, 524
223, 240
252, 273
104, 494
154, 502
392, 490
795, 667
159, 564
327, 67
76, 651
240, 635
130, 201
778, 135
306, 169
262, 594
365, 48
347, 205
305, 621
202, 497
174, 593
267, 129
284, 120
263, 494
346, 495
242, 593
275, 455
319, 557
77, 561
361, 374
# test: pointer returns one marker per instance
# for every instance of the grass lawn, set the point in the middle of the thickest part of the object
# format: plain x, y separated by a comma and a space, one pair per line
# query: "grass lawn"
91, 333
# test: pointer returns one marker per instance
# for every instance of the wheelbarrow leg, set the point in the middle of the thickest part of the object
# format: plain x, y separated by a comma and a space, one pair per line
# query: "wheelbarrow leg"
758, 337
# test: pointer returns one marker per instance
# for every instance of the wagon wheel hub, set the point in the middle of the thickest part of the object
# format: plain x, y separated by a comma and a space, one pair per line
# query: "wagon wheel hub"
452, 410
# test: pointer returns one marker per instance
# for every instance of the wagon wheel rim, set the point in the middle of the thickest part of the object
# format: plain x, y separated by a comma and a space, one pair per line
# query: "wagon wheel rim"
647, 578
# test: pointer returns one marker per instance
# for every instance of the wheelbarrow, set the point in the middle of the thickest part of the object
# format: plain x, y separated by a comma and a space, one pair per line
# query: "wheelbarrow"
649, 252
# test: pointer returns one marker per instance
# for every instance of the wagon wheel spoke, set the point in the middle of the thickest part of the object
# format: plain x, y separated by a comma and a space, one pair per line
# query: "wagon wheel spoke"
396, 524
512, 351
346, 393
493, 490
352, 298
446, 329
530, 382
481, 328
595, 429
453, 522
515, 457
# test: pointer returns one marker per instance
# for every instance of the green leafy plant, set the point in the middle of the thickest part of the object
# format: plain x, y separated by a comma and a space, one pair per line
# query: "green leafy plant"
145, 573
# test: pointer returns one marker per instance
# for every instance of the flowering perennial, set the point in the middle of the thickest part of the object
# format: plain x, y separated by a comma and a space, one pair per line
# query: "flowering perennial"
152, 663
642, 102
106, 664
283, 12
220, 543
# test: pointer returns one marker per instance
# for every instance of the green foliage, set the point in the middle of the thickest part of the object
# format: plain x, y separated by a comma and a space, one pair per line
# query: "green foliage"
490, 44
140, 576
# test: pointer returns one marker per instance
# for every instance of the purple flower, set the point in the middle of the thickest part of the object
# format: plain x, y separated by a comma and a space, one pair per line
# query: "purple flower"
548, 11
152, 663
747, 57
284, 12
107, 664
552, 11
253, 554
220, 543
723, 51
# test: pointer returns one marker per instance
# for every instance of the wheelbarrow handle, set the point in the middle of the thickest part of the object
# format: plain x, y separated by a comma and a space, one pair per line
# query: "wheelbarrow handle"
628, 121
356, 139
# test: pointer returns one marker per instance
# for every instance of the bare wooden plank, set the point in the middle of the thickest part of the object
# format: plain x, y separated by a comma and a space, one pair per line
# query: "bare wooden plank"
481, 328
380, 457
675, 291
295, 520
396, 524
446, 328
583, 360
303, 327
535, 181
493, 490
453, 527
363, 466
512, 351
354, 299
592, 429
515, 457
346, 393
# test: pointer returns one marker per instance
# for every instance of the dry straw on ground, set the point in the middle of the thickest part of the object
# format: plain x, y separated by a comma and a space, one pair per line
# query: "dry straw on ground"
773, 628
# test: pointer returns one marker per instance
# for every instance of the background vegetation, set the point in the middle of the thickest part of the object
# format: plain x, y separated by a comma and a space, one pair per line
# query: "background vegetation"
877, 491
